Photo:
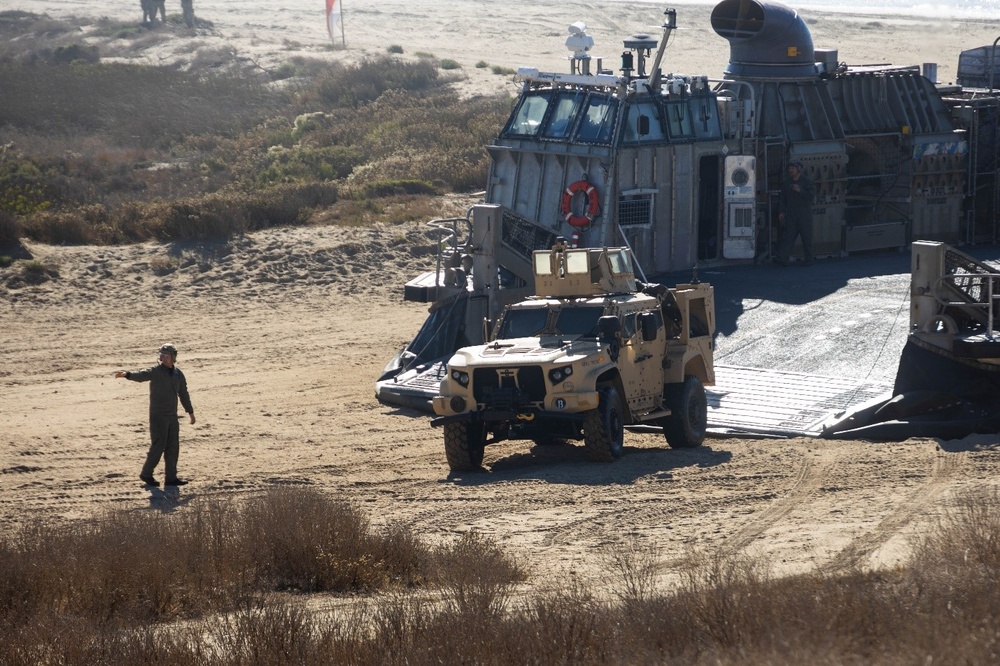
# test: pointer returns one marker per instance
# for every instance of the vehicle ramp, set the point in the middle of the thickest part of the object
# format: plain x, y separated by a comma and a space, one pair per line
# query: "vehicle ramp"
752, 401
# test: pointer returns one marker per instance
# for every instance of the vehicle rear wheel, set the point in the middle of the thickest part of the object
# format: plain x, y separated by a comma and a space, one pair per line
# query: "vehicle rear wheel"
463, 445
685, 427
604, 427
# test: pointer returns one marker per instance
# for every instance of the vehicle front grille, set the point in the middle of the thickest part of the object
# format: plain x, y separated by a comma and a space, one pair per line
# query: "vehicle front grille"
508, 387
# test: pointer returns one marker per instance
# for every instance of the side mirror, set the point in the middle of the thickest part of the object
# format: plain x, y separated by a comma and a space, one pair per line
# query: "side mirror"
609, 326
642, 125
647, 322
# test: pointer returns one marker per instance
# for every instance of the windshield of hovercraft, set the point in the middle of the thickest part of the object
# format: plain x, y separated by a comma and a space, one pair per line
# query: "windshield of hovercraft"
563, 115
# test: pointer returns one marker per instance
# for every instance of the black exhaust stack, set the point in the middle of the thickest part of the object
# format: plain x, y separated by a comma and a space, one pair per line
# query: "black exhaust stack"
767, 40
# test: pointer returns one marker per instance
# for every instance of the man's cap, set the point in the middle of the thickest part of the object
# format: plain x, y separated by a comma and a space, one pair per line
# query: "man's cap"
797, 164
168, 349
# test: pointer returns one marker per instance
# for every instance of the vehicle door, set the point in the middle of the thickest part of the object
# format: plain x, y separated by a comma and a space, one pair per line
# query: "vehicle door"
644, 343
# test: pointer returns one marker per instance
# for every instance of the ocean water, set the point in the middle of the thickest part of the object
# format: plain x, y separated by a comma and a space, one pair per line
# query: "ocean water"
971, 9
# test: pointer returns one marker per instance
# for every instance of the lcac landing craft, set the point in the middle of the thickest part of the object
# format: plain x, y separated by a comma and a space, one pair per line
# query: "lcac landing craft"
685, 169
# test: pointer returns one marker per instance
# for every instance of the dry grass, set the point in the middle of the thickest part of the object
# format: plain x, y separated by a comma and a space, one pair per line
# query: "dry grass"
88, 595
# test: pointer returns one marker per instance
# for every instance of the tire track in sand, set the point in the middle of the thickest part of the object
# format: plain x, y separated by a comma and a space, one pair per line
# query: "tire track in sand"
813, 470
944, 469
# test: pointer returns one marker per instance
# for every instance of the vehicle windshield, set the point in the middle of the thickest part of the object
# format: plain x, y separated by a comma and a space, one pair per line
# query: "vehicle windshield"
522, 323
570, 321
579, 321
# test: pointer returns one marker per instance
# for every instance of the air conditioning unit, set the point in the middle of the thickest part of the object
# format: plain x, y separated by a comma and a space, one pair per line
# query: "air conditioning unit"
740, 241
741, 177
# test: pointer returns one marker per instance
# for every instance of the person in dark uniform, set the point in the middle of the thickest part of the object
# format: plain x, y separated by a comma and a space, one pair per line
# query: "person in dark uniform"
187, 8
795, 213
166, 385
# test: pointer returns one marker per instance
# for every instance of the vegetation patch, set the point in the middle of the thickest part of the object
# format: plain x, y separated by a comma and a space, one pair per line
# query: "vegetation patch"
94, 152
109, 592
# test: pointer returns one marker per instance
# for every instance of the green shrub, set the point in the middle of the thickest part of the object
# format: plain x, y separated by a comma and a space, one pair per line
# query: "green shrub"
64, 55
349, 87
386, 188
22, 186
482, 64
299, 67
11, 229
395, 48
303, 164
448, 63
502, 71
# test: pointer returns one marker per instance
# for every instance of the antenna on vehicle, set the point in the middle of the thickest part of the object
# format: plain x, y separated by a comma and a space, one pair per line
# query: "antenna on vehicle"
669, 25
694, 274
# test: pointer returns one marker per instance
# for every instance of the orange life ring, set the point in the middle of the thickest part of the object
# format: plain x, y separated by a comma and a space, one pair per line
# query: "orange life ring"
591, 210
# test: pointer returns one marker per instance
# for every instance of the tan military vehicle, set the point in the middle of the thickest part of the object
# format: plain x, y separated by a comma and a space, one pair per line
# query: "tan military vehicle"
591, 353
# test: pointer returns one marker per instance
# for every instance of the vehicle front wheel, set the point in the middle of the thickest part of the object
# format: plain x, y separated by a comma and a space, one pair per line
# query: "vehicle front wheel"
685, 427
604, 427
463, 445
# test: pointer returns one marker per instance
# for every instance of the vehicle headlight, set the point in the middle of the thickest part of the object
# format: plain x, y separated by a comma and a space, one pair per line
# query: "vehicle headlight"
559, 375
461, 377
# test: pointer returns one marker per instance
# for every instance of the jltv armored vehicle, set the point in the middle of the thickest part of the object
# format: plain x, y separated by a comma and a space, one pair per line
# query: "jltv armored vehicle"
591, 352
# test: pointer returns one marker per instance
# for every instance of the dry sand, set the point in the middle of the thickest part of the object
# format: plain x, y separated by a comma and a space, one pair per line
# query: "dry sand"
282, 334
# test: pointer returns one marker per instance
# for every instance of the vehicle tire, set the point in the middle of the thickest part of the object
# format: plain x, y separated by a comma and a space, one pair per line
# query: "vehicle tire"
604, 427
463, 445
685, 427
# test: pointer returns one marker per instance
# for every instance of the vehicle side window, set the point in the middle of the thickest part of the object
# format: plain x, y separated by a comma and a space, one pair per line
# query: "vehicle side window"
706, 121
527, 120
651, 124
679, 120
563, 115
628, 326
598, 120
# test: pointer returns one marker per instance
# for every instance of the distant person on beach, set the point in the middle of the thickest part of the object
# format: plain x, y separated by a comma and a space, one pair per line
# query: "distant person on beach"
150, 8
795, 216
148, 11
187, 7
166, 385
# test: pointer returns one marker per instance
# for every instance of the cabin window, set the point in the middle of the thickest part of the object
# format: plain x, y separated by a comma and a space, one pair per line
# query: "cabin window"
563, 114
527, 120
706, 118
635, 210
643, 124
577, 263
598, 120
619, 262
679, 120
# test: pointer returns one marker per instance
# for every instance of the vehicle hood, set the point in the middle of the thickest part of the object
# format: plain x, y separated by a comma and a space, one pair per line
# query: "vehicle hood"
522, 351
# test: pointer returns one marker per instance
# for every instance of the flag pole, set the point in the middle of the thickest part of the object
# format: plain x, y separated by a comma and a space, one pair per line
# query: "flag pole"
343, 39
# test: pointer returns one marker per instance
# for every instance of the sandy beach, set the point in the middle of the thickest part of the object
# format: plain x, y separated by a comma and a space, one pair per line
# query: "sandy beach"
282, 334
